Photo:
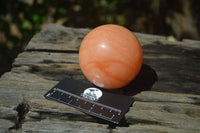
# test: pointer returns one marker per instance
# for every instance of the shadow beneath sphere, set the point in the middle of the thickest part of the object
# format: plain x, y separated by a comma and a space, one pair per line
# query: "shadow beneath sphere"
143, 82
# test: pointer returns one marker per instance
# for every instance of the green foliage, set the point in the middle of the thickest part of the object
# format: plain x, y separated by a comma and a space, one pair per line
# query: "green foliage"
21, 19
62, 10
25, 24
27, 18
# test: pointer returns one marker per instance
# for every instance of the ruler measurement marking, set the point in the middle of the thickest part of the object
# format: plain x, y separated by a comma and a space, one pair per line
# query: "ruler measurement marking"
68, 102
84, 99
85, 110
112, 116
69, 95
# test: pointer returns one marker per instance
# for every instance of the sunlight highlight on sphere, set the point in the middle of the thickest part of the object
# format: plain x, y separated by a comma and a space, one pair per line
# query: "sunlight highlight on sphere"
110, 56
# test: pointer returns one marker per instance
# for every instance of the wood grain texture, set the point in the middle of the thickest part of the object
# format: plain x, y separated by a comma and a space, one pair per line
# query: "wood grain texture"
172, 105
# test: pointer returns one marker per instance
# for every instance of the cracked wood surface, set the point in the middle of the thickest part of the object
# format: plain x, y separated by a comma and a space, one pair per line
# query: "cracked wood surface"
172, 105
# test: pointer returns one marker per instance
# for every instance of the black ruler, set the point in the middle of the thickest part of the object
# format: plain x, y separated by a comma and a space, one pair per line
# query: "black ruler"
90, 99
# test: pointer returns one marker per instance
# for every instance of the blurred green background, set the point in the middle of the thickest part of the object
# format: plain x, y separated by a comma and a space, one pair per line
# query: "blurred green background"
21, 19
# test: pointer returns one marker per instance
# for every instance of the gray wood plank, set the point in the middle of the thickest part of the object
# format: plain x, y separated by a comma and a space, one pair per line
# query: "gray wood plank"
172, 105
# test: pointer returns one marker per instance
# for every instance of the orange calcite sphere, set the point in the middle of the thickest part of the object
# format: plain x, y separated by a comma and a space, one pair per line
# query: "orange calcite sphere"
110, 56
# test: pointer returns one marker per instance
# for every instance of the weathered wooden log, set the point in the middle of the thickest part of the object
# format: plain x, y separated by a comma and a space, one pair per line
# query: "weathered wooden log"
172, 105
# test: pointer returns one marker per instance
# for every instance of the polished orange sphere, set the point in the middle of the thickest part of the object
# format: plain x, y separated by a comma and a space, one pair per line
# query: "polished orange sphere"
110, 56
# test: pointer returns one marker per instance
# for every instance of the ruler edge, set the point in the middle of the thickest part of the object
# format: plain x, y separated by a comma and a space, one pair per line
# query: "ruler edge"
110, 120
80, 109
